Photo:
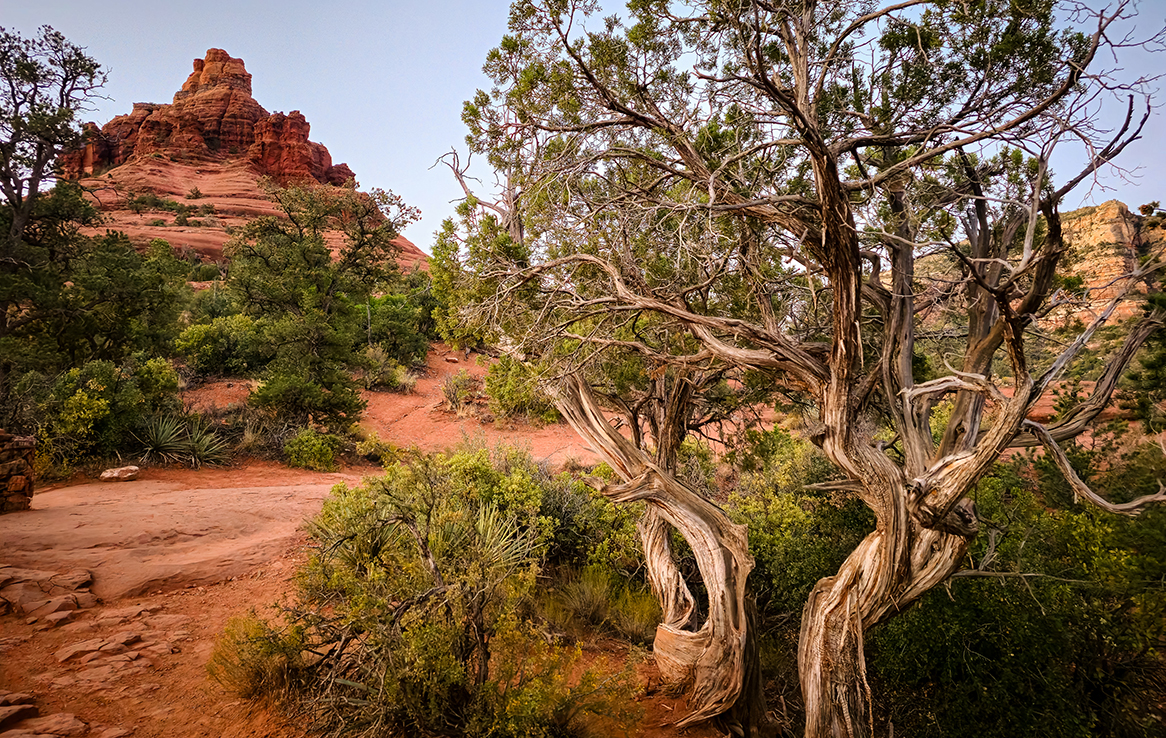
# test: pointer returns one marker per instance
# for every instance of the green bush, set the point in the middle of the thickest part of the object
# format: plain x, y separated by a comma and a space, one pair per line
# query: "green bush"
393, 322
194, 194
381, 370
292, 398
229, 345
513, 391
309, 449
1063, 642
252, 660
433, 566
459, 391
92, 411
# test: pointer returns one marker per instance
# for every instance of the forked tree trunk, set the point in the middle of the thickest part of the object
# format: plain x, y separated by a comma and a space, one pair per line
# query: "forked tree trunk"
710, 660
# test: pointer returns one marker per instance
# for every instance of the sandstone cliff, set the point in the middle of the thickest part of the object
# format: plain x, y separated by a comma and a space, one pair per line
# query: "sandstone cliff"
212, 118
1105, 243
205, 152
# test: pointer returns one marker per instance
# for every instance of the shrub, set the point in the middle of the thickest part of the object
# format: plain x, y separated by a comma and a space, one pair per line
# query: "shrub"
163, 437
459, 391
374, 449
194, 194
433, 565
394, 323
204, 446
229, 344
384, 371
513, 391
253, 661
93, 410
292, 398
310, 449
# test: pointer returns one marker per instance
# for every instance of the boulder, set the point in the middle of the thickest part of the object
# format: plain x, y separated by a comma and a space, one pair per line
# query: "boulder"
121, 474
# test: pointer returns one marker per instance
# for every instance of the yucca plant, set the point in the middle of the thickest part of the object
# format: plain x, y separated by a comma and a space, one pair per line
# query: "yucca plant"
163, 437
204, 446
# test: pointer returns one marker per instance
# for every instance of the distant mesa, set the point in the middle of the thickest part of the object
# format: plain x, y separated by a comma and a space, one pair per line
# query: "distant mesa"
213, 117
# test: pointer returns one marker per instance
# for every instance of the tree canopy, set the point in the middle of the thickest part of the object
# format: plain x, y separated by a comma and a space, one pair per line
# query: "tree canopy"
852, 200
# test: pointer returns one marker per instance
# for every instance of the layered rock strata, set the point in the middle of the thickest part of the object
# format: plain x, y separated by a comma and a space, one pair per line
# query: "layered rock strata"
212, 117
1105, 244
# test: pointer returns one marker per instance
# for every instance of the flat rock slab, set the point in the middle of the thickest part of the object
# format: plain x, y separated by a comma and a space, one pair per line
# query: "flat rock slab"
156, 535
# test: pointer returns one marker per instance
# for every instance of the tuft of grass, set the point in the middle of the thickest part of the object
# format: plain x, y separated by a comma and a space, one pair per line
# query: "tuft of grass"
459, 390
635, 614
253, 661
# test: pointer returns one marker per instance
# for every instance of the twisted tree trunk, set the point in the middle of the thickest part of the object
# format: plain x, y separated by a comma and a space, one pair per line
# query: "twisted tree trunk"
709, 660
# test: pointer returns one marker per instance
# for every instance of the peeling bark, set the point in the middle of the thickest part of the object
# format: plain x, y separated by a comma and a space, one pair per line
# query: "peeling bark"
710, 660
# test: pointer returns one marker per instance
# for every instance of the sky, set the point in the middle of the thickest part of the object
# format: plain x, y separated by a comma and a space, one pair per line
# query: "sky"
382, 83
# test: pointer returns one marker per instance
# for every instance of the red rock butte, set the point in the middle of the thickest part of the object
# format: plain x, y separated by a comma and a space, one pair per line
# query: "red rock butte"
212, 117
211, 145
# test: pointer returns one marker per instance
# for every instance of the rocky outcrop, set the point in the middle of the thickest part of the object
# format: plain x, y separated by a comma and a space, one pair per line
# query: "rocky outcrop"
213, 117
281, 145
1105, 243
16, 472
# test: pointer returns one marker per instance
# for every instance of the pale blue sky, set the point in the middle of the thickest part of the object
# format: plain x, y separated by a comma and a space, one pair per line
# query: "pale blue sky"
382, 83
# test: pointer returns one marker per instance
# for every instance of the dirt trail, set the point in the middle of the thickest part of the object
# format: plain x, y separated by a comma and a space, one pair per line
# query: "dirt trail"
177, 553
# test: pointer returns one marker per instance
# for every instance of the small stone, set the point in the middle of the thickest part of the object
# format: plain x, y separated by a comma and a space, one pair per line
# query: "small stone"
59, 618
125, 637
15, 698
85, 599
113, 648
114, 733
56, 604
451, 360
121, 474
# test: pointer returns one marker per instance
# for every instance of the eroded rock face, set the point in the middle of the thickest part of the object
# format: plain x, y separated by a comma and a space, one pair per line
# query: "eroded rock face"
1105, 243
213, 117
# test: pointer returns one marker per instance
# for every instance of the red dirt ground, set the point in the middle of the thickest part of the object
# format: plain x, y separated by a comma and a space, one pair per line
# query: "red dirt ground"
178, 552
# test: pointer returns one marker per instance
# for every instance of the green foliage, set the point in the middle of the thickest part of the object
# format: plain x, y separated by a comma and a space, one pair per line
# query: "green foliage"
254, 661
310, 449
185, 440
797, 536
309, 303
84, 298
430, 569
512, 390
93, 410
332, 401
194, 194
396, 324
598, 598
228, 345
381, 370
162, 437
459, 390
1063, 642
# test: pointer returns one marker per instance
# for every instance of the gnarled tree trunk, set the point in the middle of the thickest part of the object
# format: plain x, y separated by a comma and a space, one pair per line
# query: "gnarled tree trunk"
709, 660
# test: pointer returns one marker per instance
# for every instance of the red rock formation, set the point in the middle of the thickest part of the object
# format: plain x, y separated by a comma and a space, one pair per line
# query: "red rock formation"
213, 117
1104, 244
282, 149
